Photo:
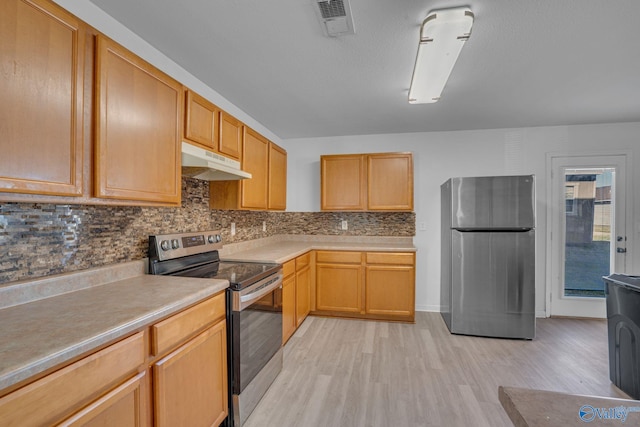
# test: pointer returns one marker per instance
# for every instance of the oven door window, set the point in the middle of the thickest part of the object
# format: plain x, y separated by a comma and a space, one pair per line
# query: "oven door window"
260, 337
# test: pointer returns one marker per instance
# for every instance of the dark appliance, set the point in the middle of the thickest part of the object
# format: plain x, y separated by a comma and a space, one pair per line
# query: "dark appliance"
622, 293
254, 310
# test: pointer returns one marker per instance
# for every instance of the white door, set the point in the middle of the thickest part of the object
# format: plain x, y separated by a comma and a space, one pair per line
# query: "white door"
587, 239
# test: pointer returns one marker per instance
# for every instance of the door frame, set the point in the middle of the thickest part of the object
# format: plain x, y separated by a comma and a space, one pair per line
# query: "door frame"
553, 214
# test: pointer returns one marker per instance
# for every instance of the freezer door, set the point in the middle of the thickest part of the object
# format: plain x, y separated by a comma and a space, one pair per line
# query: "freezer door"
493, 284
498, 202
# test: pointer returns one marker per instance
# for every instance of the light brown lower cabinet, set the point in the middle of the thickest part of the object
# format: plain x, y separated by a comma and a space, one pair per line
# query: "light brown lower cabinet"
123, 407
188, 382
303, 287
79, 390
368, 285
169, 374
288, 307
296, 294
339, 282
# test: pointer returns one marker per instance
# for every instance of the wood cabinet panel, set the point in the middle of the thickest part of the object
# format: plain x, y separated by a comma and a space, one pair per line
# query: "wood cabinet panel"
191, 382
390, 182
374, 182
339, 287
176, 329
41, 111
255, 160
57, 395
125, 406
289, 268
390, 290
303, 261
303, 294
391, 258
343, 182
338, 257
138, 120
288, 307
277, 178
201, 121
230, 142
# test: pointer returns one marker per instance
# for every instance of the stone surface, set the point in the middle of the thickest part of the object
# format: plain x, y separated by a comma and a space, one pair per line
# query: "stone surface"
539, 408
283, 248
46, 333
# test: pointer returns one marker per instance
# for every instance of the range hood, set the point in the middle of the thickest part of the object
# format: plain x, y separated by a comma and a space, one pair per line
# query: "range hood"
209, 166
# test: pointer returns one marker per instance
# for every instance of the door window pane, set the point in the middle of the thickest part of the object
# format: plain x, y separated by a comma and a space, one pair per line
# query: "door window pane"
588, 228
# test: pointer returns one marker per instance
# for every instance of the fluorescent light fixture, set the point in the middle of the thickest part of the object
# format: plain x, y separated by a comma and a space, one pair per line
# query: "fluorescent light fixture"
442, 36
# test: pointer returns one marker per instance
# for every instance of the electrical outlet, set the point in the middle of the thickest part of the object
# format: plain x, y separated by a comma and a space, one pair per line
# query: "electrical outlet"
233, 228
345, 224
264, 225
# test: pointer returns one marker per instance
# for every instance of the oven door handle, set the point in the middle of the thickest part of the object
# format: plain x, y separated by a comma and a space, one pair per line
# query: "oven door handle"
261, 290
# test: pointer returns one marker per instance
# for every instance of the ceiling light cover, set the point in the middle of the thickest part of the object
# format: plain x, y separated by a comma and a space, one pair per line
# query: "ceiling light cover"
442, 35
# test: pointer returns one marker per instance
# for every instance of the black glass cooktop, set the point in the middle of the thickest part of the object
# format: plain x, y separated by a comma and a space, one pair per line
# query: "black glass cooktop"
239, 274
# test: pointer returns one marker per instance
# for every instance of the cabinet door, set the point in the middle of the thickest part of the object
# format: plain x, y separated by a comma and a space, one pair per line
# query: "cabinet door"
390, 290
60, 394
343, 183
123, 407
255, 160
339, 287
277, 178
201, 121
191, 383
390, 181
288, 307
303, 294
138, 121
41, 82
230, 136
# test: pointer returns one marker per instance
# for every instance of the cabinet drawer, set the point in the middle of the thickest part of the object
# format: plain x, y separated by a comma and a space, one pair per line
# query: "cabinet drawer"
303, 260
342, 257
55, 396
289, 267
172, 331
390, 258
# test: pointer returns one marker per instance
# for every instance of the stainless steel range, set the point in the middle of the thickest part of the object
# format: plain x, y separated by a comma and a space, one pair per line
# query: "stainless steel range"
254, 311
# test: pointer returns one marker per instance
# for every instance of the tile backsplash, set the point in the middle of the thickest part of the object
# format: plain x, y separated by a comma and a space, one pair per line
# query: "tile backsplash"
42, 239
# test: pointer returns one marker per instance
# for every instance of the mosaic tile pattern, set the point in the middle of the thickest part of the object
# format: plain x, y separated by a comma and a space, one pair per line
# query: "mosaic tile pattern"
38, 240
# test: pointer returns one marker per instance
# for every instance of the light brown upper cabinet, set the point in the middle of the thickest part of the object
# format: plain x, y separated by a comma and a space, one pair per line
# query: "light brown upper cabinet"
266, 189
390, 182
138, 114
201, 121
41, 86
277, 177
230, 136
255, 160
343, 182
367, 182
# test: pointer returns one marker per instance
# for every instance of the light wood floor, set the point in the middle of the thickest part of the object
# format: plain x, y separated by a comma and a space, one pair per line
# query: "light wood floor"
343, 373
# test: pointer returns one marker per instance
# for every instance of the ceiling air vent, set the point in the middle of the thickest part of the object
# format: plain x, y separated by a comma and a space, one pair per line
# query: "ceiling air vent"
335, 17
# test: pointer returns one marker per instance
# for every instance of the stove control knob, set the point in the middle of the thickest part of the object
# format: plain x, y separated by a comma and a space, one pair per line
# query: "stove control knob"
218, 238
211, 238
164, 245
175, 244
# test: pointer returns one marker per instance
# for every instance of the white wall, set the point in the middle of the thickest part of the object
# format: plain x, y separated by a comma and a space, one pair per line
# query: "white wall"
441, 155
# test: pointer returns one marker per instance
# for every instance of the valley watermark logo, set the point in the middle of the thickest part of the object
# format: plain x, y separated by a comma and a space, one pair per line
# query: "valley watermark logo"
588, 413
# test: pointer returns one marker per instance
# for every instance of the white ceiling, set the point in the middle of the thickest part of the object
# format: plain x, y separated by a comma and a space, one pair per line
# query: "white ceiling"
527, 63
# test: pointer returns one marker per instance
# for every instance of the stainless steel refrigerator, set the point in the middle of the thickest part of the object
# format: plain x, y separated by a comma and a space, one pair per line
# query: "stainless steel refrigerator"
488, 256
